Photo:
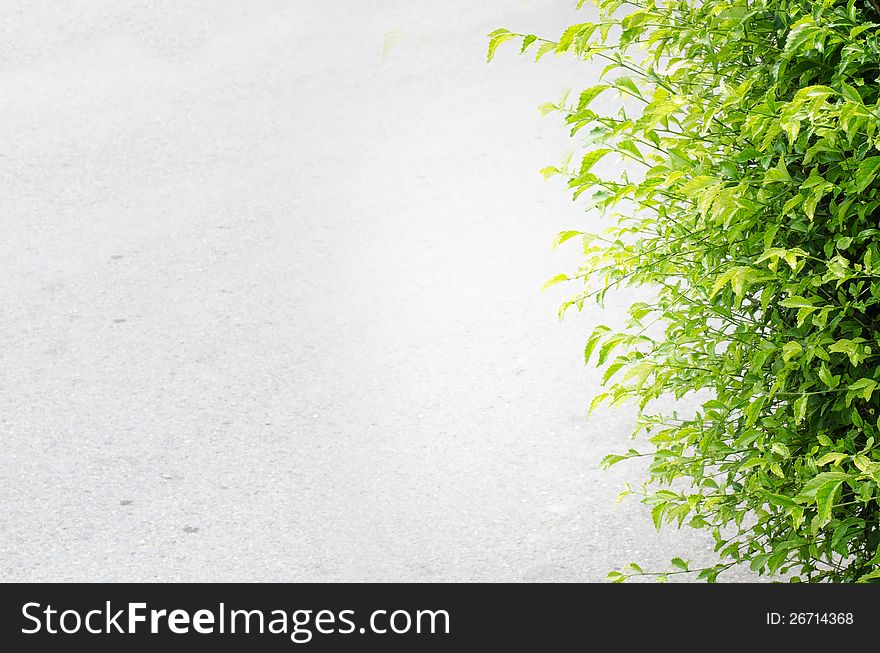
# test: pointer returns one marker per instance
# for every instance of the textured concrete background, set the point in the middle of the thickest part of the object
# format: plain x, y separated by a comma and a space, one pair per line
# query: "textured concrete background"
271, 304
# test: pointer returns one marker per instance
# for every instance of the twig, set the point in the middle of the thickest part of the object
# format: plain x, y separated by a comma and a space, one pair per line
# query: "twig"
876, 6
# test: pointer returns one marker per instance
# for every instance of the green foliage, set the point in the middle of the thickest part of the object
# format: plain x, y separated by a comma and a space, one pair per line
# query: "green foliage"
749, 199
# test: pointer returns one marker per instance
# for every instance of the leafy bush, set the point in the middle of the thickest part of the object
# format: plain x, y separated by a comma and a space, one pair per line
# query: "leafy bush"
750, 201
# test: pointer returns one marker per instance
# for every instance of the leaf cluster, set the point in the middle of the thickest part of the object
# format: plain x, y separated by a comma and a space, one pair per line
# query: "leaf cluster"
749, 199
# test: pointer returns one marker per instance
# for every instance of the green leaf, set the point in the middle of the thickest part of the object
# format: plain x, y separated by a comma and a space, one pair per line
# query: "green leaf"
800, 34
790, 256
627, 84
609, 345
832, 457
590, 94
866, 173
848, 347
527, 41
552, 281
796, 302
780, 500
611, 459
629, 148
800, 409
864, 464
825, 497
811, 488
571, 33
616, 576
739, 278
544, 48
640, 373
864, 388
829, 379
871, 575
592, 158
550, 171
759, 561
780, 449
565, 236
496, 38
778, 173
853, 34
657, 515
597, 400
593, 340
790, 350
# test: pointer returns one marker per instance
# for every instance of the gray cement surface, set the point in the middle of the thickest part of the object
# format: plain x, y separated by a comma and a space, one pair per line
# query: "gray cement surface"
271, 300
